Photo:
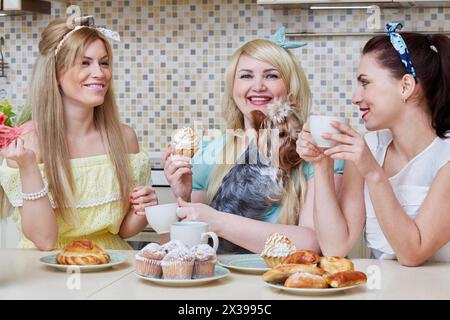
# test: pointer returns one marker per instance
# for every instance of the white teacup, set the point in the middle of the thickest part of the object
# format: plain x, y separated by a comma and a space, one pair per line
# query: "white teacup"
192, 233
322, 124
161, 217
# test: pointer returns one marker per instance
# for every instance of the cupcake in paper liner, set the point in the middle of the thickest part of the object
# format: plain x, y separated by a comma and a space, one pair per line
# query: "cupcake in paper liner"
148, 260
178, 264
205, 261
173, 244
276, 249
185, 142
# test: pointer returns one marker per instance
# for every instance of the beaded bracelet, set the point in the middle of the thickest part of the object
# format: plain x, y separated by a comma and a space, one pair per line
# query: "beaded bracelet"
34, 195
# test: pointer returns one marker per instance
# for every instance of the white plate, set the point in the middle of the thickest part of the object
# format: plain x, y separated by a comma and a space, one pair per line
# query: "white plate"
246, 263
116, 258
219, 274
312, 291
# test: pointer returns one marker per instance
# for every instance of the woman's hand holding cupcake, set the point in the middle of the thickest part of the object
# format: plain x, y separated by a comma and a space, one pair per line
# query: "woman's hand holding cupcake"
177, 170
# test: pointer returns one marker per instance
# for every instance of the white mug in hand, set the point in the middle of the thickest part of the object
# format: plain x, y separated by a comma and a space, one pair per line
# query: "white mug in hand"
192, 233
161, 217
322, 124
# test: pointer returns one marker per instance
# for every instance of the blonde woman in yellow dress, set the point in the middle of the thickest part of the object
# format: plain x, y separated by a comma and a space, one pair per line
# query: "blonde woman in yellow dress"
80, 174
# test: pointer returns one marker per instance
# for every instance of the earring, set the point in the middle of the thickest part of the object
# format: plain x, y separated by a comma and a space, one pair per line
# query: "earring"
404, 100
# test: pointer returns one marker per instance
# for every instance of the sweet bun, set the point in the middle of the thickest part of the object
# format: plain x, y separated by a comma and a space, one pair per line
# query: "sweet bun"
305, 280
281, 272
302, 257
335, 264
82, 252
346, 278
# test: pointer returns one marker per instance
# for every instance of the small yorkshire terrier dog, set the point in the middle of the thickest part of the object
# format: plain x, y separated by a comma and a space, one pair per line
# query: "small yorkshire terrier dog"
258, 179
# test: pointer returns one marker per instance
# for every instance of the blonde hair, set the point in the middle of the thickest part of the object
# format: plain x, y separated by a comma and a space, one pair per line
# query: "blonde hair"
48, 115
299, 95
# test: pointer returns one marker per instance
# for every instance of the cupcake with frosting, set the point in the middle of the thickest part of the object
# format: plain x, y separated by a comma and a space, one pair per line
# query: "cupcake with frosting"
205, 261
178, 264
173, 244
276, 249
185, 142
148, 260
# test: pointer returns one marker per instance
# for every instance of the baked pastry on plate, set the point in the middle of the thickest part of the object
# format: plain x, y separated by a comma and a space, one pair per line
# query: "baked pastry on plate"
305, 280
335, 264
302, 257
82, 252
346, 278
281, 272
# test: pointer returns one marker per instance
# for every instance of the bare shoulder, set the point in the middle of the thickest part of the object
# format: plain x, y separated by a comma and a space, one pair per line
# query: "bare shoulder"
441, 182
130, 138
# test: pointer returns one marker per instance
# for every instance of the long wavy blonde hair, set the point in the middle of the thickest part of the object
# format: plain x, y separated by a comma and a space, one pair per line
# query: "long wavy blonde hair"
48, 116
299, 95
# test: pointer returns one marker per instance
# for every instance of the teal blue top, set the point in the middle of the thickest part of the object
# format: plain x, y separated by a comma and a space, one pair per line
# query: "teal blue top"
203, 164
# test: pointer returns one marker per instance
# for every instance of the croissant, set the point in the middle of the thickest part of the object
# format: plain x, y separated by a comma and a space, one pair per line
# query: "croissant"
305, 280
346, 278
82, 252
281, 272
335, 264
302, 257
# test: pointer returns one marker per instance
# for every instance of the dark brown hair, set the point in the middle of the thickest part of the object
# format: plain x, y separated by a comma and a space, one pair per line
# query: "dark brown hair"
432, 70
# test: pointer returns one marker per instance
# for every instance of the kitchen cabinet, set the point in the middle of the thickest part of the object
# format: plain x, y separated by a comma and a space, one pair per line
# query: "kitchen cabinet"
19, 7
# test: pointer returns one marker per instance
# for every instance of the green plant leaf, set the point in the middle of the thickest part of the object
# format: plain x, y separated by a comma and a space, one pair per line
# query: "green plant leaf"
7, 110
24, 115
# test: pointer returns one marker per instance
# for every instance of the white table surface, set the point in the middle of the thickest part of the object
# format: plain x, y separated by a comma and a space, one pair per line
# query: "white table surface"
23, 276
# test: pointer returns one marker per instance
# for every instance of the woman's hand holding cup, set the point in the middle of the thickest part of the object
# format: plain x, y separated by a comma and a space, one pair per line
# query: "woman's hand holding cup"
306, 147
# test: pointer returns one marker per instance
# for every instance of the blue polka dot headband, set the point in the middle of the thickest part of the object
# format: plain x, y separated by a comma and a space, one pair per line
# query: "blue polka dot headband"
400, 46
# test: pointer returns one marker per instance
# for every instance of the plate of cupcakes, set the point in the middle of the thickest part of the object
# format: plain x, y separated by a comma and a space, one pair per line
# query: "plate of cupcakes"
174, 264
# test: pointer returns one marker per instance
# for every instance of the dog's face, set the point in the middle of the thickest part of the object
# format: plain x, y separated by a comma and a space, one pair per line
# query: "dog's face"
277, 141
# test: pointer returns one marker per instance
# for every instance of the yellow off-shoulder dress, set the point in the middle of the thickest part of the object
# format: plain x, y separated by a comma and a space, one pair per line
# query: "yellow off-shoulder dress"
97, 196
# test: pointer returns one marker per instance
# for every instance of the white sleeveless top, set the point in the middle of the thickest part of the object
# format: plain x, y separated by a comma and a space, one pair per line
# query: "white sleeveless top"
410, 186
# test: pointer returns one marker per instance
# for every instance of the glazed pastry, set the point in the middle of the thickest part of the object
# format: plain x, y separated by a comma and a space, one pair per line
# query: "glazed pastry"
185, 142
82, 252
305, 280
346, 278
302, 257
276, 249
335, 264
280, 273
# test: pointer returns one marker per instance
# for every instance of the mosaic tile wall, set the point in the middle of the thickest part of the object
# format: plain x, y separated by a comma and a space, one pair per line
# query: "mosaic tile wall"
170, 63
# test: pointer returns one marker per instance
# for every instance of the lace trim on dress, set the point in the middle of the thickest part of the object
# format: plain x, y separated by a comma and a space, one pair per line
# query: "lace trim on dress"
80, 205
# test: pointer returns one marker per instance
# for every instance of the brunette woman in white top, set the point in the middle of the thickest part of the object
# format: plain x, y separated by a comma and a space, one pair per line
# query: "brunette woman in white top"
397, 178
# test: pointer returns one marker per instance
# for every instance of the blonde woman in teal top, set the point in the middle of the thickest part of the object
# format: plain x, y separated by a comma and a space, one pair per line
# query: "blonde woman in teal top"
259, 74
